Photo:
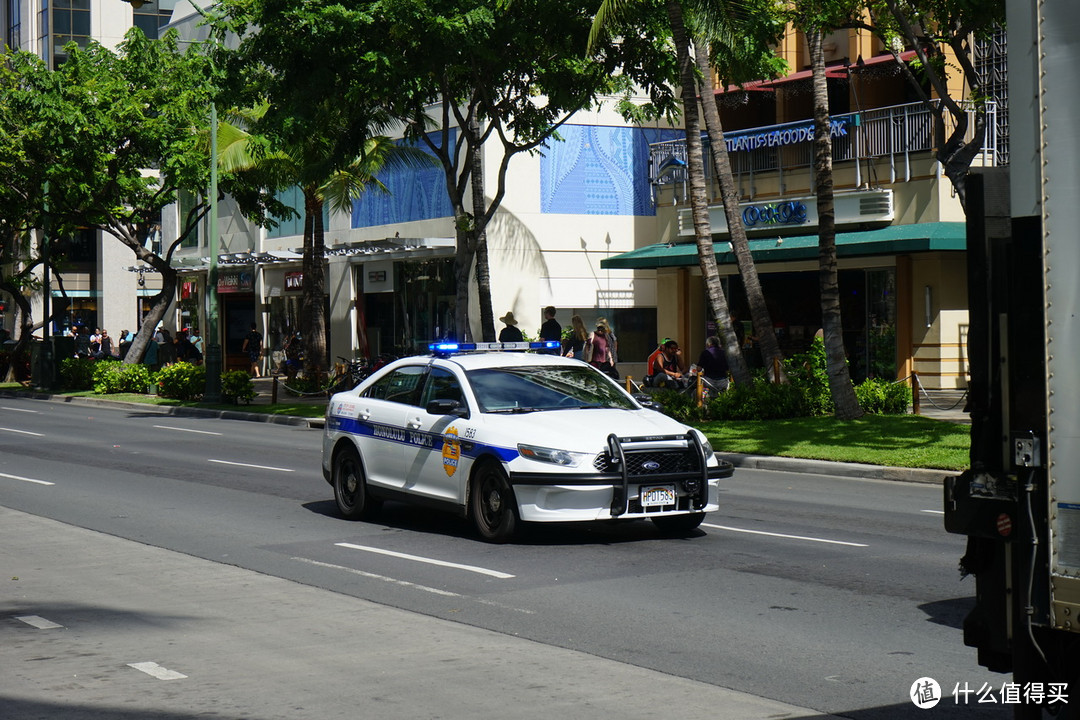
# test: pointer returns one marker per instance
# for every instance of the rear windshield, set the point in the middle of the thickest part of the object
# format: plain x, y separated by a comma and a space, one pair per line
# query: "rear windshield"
534, 388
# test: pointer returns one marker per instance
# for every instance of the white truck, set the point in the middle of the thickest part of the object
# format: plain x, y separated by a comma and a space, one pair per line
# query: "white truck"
1019, 502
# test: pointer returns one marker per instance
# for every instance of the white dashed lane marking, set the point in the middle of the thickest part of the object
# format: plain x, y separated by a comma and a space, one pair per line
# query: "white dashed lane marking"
430, 561
26, 479
782, 535
249, 465
155, 670
21, 432
39, 622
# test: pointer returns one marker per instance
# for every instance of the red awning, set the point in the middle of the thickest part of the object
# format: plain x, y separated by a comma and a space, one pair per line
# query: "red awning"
833, 71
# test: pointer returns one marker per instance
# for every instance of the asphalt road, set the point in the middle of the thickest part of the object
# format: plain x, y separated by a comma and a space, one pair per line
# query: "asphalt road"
832, 594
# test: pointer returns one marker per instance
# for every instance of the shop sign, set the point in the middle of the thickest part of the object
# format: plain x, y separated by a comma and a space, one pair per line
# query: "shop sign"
788, 135
294, 280
791, 212
236, 282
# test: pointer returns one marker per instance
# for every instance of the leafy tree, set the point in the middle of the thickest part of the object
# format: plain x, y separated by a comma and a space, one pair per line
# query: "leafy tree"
321, 184
117, 136
927, 26
457, 74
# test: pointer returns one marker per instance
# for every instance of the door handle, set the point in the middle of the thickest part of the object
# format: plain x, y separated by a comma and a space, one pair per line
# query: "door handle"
365, 414
414, 424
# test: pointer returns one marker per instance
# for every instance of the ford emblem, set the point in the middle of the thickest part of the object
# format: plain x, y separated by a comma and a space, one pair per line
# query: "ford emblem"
650, 465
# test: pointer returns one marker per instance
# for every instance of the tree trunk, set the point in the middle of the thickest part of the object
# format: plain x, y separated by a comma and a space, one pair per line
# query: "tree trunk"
314, 286
699, 202
845, 403
740, 246
26, 331
160, 305
483, 268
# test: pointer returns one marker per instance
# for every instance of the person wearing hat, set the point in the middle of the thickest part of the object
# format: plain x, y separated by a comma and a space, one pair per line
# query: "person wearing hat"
510, 333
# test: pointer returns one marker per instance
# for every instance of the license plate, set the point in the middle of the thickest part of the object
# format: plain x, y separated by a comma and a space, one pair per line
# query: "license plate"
657, 495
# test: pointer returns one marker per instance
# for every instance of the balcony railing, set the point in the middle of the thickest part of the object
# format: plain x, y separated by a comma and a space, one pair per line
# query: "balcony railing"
883, 140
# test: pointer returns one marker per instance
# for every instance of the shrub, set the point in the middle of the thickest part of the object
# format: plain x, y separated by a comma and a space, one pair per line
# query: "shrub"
236, 387
883, 398
760, 401
116, 377
182, 381
808, 372
77, 374
682, 407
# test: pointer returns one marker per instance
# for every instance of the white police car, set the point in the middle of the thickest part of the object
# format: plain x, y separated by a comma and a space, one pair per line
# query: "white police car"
504, 437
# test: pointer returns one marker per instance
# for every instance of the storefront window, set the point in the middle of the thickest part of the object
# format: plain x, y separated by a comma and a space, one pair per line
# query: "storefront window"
418, 310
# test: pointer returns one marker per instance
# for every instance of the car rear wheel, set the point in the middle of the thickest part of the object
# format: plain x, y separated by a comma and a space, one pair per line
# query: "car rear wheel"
492, 504
350, 486
678, 524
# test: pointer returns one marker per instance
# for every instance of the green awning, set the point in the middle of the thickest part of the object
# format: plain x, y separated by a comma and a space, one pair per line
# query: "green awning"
892, 240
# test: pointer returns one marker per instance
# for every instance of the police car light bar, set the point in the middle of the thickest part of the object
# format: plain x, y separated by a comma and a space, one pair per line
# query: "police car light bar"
448, 348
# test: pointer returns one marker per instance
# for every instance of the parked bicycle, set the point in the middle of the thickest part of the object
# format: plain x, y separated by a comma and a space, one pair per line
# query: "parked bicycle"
353, 372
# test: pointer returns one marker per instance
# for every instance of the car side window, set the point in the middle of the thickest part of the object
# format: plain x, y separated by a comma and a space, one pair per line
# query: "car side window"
442, 385
400, 386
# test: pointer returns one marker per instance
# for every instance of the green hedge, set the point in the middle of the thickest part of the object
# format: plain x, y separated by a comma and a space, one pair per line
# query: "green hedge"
806, 394
78, 374
237, 387
182, 381
111, 376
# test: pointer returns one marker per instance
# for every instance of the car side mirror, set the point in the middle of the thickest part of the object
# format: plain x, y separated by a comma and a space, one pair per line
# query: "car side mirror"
447, 407
647, 402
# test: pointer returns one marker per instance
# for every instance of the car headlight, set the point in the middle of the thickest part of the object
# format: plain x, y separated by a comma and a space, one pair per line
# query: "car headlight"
709, 452
551, 455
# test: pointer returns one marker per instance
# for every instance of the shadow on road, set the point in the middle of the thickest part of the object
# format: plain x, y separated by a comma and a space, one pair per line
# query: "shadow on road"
950, 613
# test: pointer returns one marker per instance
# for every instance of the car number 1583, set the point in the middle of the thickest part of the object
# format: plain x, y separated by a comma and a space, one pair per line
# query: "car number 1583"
657, 495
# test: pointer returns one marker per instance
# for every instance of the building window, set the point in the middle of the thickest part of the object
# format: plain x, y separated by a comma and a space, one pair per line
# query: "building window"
14, 24
188, 202
63, 22
153, 16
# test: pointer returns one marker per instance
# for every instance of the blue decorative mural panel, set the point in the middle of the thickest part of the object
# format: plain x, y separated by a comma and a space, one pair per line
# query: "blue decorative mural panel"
414, 195
599, 170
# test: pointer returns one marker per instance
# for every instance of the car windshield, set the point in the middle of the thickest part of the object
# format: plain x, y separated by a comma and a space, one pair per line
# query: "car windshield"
545, 387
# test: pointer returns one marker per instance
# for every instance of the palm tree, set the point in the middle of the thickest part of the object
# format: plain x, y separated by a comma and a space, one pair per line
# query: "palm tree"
699, 204
771, 355
845, 403
322, 181
719, 18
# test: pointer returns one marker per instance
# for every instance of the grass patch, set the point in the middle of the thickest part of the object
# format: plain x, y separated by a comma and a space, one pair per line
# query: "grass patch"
892, 440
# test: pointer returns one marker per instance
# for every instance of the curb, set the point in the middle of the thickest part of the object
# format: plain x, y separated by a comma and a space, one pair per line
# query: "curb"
837, 469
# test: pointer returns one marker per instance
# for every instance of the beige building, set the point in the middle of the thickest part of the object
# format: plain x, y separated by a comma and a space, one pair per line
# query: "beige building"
900, 226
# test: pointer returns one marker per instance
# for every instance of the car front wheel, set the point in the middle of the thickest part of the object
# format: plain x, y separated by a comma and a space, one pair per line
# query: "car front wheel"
492, 505
350, 486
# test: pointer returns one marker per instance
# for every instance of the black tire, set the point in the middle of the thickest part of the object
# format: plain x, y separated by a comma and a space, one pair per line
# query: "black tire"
492, 504
354, 501
676, 525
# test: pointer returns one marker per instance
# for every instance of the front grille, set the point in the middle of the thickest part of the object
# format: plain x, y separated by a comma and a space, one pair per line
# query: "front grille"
651, 462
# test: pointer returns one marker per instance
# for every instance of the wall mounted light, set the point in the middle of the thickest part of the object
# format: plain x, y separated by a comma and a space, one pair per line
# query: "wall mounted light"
929, 306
